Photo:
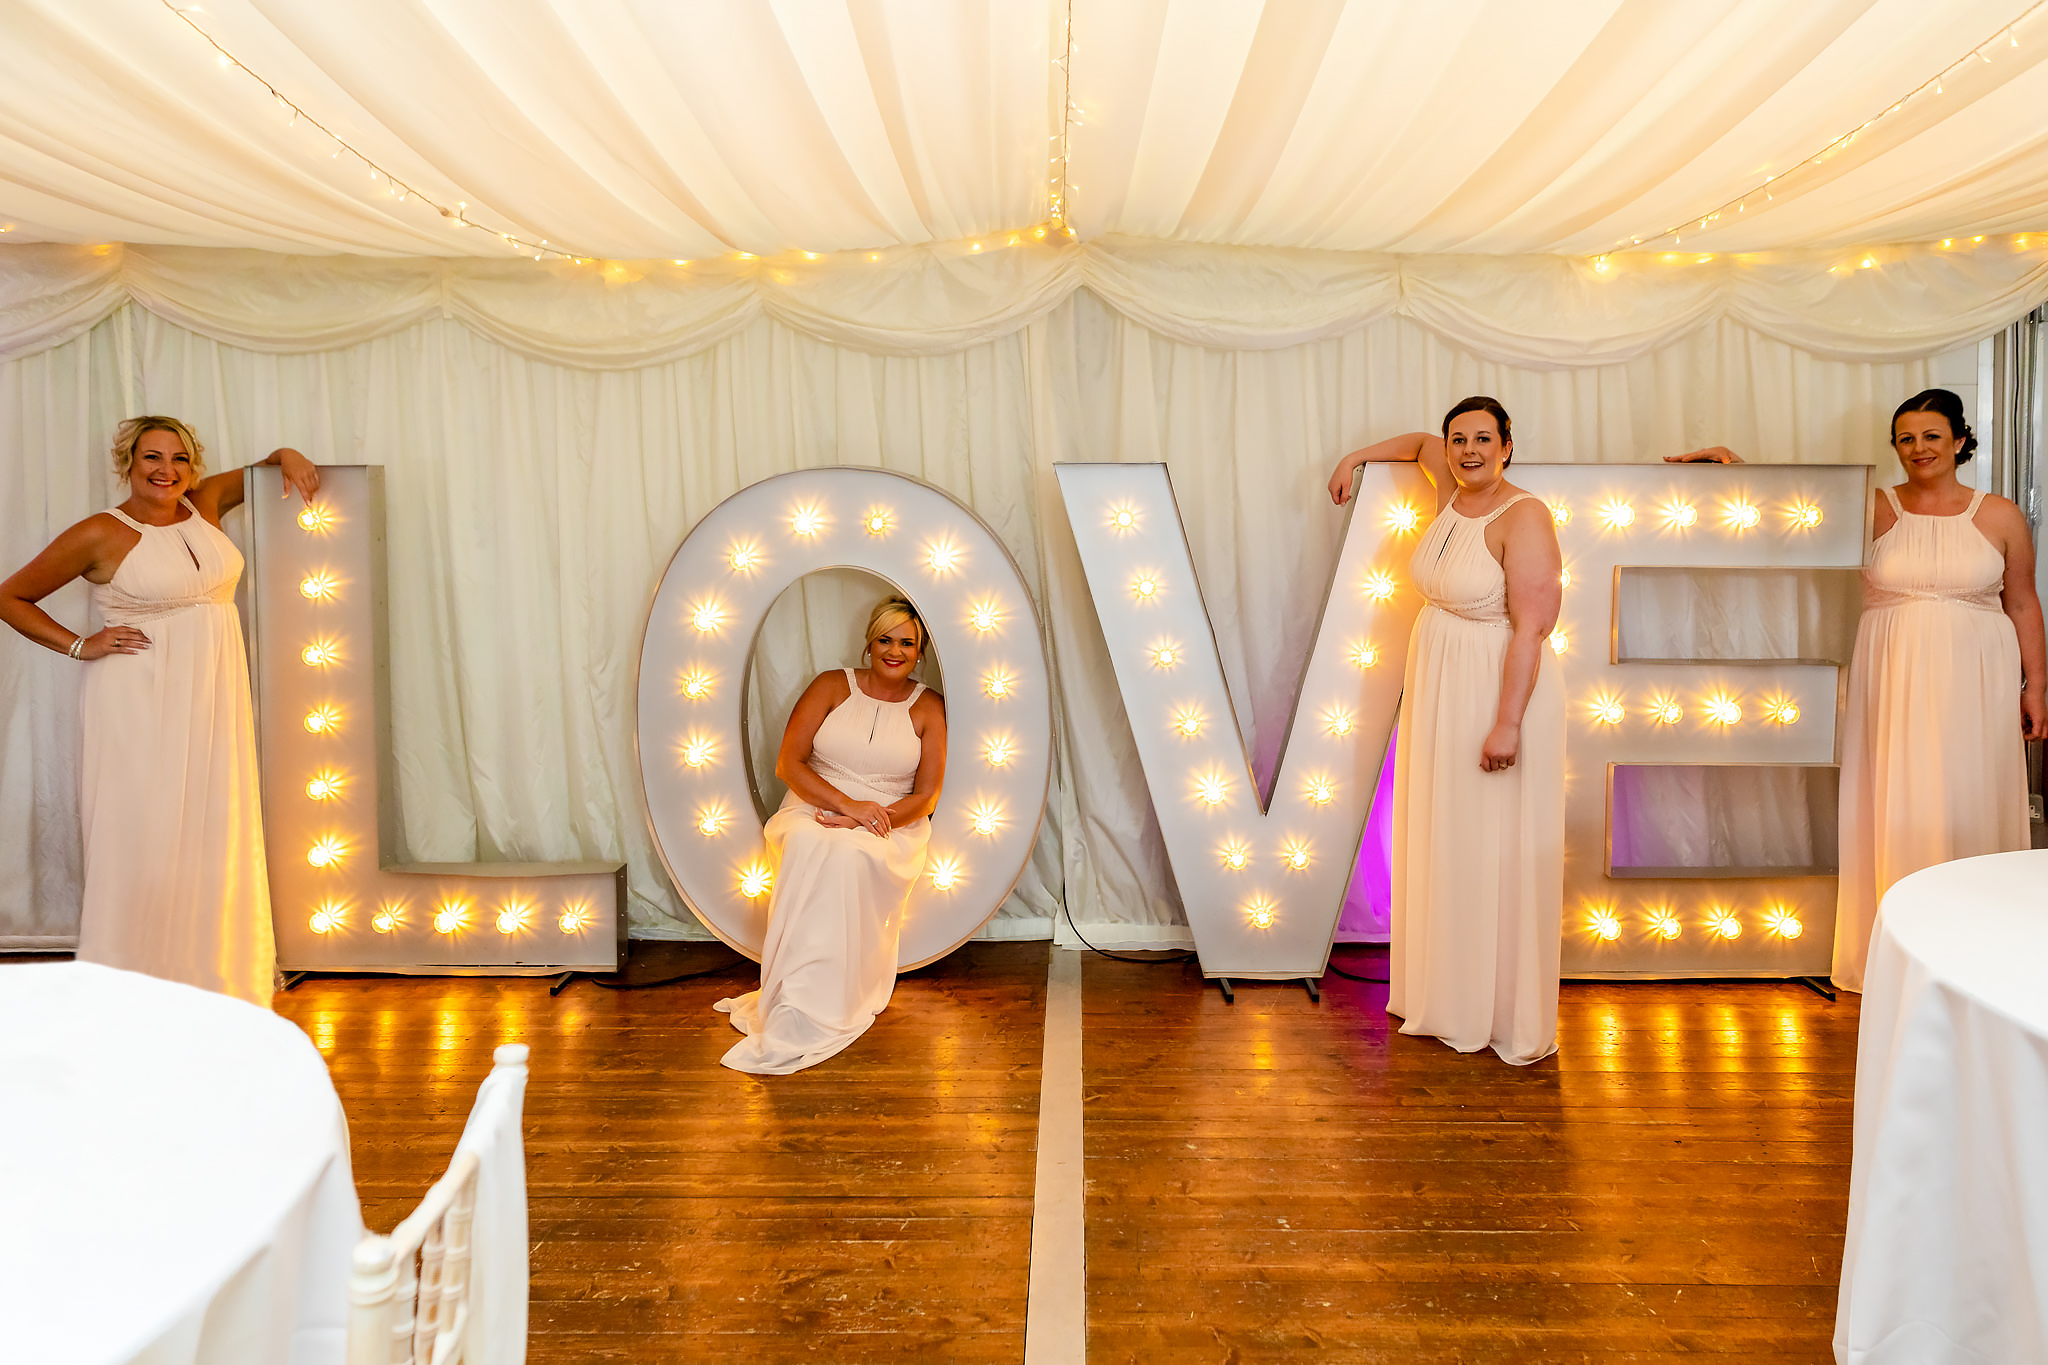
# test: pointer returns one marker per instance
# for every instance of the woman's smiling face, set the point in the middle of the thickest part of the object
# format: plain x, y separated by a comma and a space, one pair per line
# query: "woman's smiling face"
1475, 452
161, 471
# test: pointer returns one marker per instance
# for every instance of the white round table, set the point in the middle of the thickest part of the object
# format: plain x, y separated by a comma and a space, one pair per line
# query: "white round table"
1947, 1253
174, 1177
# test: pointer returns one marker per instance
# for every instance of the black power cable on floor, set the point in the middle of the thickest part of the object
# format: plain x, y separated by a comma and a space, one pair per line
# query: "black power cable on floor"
619, 983
1353, 976
1175, 960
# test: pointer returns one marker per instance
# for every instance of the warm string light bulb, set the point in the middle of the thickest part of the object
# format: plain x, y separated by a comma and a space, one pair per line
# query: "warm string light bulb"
1364, 654
575, 917
1603, 925
697, 751
711, 821
1321, 791
320, 653
708, 617
1339, 723
984, 616
1803, 514
878, 522
1781, 711
806, 521
318, 587
999, 683
325, 852
1260, 912
945, 873
745, 558
1606, 709
512, 917
755, 880
1235, 855
1211, 789
1783, 922
1165, 654
942, 556
998, 751
1665, 925
324, 786
1723, 924
1666, 711
985, 817
1187, 722
1741, 515
1145, 586
1378, 585
1295, 854
1122, 519
317, 518
1681, 515
694, 684
1402, 518
327, 918
1723, 709
452, 917
1617, 515
387, 919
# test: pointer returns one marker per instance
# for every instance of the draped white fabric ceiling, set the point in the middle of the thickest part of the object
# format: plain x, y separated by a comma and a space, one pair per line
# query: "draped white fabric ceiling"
635, 129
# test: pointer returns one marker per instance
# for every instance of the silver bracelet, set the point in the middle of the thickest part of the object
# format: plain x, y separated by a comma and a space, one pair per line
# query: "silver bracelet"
77, 650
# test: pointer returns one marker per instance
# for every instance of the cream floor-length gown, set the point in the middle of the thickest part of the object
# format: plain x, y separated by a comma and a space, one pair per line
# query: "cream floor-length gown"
828, 965
1478, 887
175, 879
1933, 762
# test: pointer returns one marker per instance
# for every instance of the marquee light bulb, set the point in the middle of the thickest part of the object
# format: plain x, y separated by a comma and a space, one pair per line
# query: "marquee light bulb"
1187, 722
1402, 518
999, 683
1365, 654
984, 616
711, 820
317, 518
1145, 586
1339, 723
943, 556
755, 879
327, 918
1235, 855
1665, 711
695, 684
1211, 789
878, 522
1617, 515
998, 751
1321, 791
576, 917
1564, 578
1294, 853
1681, 514
1722, 924
324, 786
697, 750
1559, 642
708, 617
1741, 515
1165, 654
1723, 709
320, 653
1781, 711
1804, 514
512, 916
1606, 709
945, 873
1122, 519
745, 558
1665, 925
319, 587
387, 919
807, 521
1560, 514
985, 817
325, 852
1603, 925
1783, 922
452, 917
1259, 912
1378, 586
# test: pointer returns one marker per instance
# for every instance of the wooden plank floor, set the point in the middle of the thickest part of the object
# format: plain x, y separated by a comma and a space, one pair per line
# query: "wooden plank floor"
1279, 1177
877, 1207
1275, 1178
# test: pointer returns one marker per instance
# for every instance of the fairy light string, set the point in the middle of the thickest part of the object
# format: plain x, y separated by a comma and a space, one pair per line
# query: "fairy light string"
2006, 32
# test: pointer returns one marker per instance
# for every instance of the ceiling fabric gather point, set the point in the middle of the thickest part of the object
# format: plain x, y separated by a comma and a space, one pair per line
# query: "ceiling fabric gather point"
1541, 311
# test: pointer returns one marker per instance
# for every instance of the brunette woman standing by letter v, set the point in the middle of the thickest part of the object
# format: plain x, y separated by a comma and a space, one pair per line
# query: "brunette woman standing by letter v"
1946, 682
1478, 902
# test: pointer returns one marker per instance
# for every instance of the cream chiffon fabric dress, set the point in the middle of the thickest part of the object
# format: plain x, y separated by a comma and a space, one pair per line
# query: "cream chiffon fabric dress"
1933, 762
828, 965
1478, 886
175, 881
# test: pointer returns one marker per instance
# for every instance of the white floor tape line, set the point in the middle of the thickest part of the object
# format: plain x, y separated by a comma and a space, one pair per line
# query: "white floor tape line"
1056, 1312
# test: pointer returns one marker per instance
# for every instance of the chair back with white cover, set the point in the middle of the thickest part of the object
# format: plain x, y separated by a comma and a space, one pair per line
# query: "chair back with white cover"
448, 1285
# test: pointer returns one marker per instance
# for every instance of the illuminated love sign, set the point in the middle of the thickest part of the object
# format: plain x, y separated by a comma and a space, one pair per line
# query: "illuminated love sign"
692, 693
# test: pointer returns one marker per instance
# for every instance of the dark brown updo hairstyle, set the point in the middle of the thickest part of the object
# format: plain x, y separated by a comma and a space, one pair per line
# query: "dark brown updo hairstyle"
1479, 402
1949, 406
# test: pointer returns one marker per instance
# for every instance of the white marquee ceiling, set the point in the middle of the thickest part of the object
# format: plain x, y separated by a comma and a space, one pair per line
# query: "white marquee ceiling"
637, 129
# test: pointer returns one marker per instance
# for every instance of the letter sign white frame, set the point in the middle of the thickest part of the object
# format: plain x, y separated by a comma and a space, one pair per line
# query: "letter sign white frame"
691, 689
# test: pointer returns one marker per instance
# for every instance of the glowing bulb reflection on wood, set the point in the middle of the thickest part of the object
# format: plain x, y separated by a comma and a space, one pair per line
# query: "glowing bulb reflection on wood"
325, 852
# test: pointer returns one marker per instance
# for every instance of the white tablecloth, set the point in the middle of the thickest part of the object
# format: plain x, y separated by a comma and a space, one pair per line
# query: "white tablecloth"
174, 1177
1947, 1255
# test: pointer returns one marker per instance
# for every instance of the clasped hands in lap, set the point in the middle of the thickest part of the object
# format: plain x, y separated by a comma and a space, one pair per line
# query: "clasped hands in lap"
871, 816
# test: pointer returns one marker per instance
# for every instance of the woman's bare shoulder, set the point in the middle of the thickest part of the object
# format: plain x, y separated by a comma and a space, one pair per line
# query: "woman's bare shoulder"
929, 702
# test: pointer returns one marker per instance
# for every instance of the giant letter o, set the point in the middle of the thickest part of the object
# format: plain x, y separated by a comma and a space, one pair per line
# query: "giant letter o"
692, 693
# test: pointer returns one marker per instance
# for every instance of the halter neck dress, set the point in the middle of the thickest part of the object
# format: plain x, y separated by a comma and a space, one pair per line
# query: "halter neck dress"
1478, 884
828, 964
1933, 761
175, 879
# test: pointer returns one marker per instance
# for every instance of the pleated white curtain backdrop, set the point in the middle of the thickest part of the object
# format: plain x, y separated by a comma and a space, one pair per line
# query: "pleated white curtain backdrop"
532, 507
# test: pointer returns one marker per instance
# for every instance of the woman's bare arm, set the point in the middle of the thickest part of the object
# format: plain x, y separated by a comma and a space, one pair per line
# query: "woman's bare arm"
1417, 446
219, 494
1533, 564
1705, 455
2022, 602
929, 714
793, 759
92, 549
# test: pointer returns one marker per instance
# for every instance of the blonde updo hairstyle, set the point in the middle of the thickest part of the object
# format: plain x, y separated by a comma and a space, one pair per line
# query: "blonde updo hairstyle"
135, 428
